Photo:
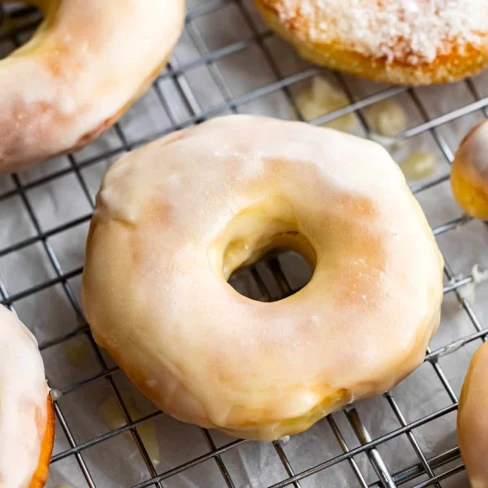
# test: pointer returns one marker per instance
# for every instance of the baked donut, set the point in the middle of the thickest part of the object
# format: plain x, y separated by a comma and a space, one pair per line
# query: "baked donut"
177, 217
26, 411
469, 172
473, 419
86, 64
410, 42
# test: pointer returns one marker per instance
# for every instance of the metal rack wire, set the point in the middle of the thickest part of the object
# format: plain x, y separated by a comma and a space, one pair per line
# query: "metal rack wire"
426, 471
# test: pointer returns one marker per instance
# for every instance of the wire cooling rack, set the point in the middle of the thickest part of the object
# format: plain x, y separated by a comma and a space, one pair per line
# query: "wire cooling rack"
229, 62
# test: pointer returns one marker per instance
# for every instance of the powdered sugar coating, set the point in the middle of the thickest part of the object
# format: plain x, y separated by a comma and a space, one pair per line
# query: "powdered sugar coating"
410, 31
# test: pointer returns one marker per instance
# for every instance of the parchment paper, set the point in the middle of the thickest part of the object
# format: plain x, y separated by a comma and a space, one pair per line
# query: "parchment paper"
117, 462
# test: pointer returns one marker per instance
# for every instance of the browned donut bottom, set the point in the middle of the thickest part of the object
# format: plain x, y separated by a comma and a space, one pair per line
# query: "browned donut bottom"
40, 476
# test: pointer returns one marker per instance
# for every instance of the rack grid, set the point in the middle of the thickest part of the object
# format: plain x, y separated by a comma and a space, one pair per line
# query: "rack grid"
176, 82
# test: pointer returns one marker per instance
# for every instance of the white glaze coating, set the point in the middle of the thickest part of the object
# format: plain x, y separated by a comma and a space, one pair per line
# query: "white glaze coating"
23, 403
472, 422
86, 63
174, 218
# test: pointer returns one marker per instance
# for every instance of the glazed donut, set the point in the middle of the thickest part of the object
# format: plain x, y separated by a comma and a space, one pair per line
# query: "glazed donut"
26, 412
83, 68
411, 42
177, 217
473, 419
469, 173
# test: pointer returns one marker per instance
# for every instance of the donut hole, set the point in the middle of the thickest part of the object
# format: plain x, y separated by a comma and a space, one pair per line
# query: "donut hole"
263, 232
18, 21
277, 275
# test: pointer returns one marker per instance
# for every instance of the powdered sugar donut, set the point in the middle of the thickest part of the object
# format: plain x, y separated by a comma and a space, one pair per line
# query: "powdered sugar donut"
86, 64
412, 42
